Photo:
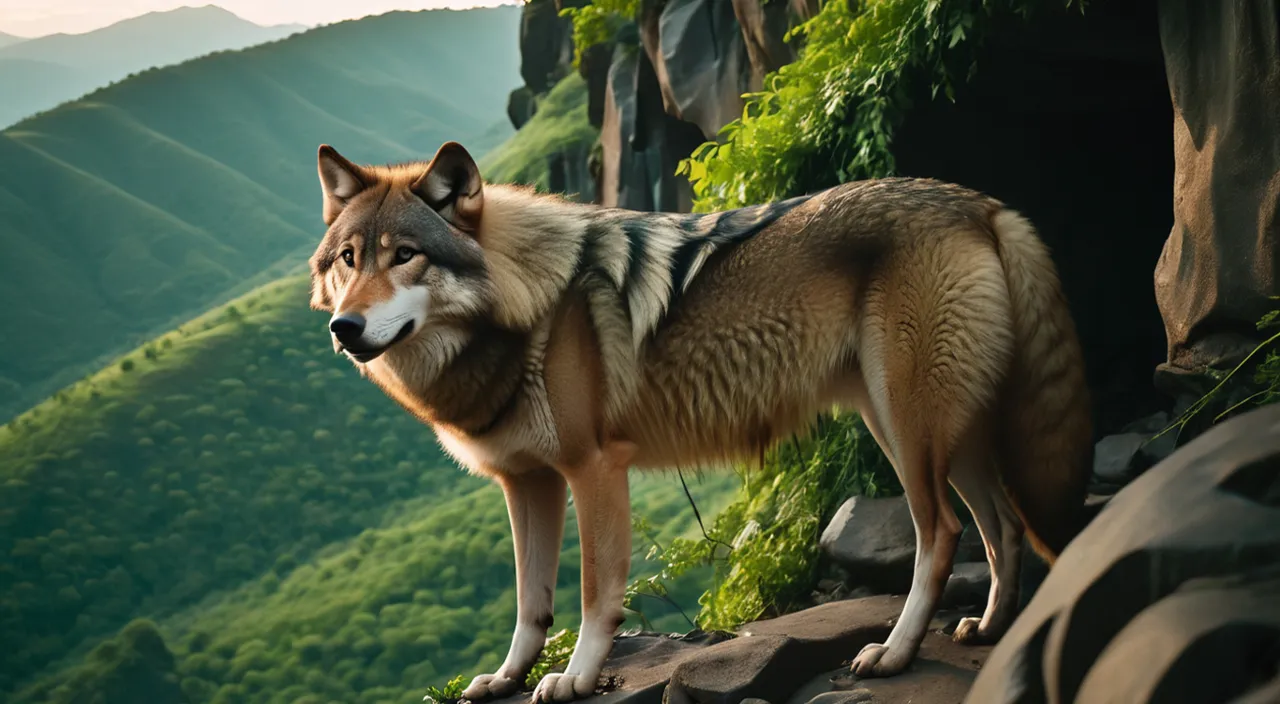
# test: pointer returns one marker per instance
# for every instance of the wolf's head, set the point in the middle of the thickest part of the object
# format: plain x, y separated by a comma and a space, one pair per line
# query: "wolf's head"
400, 253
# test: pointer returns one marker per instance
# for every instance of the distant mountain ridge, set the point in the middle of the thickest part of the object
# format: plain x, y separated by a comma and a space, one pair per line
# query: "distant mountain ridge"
146, 202
10, 40
95, 59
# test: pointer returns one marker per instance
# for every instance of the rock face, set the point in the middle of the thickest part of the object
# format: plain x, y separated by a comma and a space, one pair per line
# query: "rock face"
941, 674
656, 92
1220, 263
874, 540
546, 45
639, 142
1170, 595
700, 57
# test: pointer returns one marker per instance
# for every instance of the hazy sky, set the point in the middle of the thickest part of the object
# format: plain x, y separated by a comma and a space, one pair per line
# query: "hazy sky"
30, 18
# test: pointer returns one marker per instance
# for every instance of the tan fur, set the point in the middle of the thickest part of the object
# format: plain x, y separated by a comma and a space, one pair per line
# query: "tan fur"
580, 341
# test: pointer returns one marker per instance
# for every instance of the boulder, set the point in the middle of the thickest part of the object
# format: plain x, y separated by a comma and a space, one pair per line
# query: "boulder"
640, 144
700, 58
1228, 621
594, 67
968, 585
1114, 455
569, 173
1162, 594
942, 673
546, 45
760, 666
521, 105
874, 540
1220, 263
624, 173
764, 24
771, 659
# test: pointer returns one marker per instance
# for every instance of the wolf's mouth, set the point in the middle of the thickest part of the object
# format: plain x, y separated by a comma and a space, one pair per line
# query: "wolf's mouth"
365, 355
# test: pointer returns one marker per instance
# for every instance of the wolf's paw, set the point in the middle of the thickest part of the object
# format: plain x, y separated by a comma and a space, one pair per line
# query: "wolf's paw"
557, 687
490, 687
969, 632
876, 660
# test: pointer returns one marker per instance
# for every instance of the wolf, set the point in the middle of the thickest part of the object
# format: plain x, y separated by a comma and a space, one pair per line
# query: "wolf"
554, 345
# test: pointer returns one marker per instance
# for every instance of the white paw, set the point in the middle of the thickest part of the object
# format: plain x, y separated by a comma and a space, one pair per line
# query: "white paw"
490, 687
557, 687
876, 660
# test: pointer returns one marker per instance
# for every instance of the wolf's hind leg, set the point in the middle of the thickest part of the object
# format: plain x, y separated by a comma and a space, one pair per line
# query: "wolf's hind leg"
602, 501
937, 535
536, 505
976, 478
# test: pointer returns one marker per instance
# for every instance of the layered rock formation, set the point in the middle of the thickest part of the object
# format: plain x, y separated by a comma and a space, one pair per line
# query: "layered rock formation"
1172, 594
662, 87
1220, 265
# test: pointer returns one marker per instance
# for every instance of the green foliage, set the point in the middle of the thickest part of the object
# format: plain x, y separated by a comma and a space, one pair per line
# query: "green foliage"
559, 126
554, 656
764, 546
599, 22
135, 666
451, 692
829, 117
1262, 389
137, 207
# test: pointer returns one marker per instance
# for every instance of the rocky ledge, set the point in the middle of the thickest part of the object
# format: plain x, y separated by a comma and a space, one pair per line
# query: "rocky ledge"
1171, 595
795, 659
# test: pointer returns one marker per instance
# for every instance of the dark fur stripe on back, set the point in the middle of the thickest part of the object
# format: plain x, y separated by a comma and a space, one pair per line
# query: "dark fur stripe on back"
653, 257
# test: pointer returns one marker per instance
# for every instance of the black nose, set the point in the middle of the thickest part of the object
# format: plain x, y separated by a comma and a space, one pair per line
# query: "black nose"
347, 327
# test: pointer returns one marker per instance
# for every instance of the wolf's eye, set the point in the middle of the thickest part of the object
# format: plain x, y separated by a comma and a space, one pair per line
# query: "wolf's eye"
404, 254
349, 257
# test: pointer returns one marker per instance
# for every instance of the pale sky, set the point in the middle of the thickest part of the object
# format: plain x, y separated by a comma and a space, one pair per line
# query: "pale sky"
31, 18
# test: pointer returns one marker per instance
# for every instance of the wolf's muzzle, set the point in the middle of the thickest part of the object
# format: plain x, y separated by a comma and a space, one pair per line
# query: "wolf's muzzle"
349, 333
348, 328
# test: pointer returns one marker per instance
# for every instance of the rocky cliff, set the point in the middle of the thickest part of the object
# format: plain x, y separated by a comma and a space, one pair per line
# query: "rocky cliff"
1165, 240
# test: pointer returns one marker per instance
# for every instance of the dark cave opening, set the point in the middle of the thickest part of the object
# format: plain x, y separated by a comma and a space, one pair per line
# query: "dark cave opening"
1068, 120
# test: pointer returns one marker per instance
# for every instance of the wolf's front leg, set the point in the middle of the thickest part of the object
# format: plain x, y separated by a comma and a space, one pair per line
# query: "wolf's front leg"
536, 505
603, 504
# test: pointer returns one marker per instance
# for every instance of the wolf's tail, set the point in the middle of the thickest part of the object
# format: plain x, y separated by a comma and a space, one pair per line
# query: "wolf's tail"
1046, 442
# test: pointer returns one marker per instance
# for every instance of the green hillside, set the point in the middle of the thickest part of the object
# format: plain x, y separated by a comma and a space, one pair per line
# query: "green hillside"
146, 202
230, 513
239, 456
559, 125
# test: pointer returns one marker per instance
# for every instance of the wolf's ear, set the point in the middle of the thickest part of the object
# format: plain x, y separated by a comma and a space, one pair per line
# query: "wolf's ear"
340, 179
453, 187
